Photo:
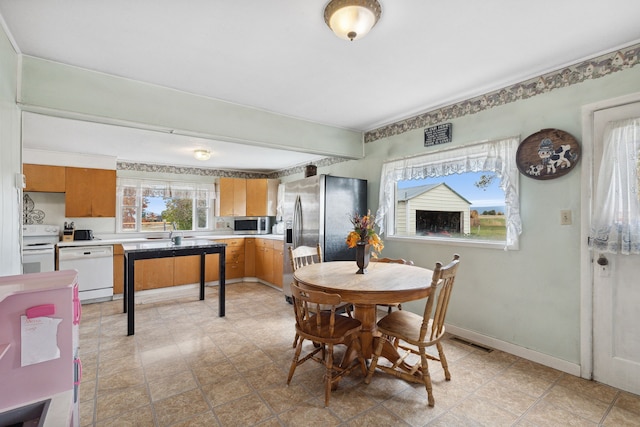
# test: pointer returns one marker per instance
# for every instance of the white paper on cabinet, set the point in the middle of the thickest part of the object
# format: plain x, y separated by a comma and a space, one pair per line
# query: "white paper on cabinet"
39, 338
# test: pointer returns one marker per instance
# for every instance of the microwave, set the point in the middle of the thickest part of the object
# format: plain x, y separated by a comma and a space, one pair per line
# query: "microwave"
253, 224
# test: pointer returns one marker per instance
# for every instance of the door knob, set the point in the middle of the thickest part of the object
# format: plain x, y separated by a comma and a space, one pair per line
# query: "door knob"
602, 260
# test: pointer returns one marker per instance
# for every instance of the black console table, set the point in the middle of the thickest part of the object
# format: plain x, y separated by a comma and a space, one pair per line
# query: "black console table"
150, 250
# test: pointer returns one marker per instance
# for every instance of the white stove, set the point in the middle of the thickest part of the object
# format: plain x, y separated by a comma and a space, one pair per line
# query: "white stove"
38, 247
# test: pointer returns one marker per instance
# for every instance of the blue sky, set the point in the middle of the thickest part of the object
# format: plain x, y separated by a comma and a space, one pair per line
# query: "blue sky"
156, 205
463, 184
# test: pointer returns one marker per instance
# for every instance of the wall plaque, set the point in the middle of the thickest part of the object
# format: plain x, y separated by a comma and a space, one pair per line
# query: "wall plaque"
438, 134
547, 154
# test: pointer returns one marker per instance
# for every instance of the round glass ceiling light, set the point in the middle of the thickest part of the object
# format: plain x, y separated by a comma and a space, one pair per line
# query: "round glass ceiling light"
352, 19
201, 154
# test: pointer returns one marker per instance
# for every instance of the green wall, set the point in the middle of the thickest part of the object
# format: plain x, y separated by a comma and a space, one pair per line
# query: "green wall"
68, 91
529, 297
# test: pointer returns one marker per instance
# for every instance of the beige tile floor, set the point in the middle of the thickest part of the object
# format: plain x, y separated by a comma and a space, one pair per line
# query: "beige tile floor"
185, 366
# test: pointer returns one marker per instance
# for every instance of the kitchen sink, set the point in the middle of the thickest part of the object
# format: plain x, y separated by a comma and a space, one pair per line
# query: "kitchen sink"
32, 415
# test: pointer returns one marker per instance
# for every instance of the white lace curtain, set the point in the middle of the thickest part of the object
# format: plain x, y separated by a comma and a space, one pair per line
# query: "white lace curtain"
172, 189
615, 226
495, 156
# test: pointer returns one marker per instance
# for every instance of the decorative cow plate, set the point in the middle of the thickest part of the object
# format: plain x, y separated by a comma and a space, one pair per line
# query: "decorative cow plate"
547, 154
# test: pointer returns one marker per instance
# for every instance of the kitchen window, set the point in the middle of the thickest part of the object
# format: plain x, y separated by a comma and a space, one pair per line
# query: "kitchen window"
152, 206
420, 196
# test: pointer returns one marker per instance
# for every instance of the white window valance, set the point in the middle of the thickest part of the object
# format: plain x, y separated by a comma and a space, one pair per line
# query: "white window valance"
169, 189
615, 226
495, 156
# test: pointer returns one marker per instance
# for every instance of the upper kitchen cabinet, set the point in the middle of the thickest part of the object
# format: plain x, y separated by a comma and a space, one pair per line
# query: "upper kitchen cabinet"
44, 178
233, 197
262, 197
90, 192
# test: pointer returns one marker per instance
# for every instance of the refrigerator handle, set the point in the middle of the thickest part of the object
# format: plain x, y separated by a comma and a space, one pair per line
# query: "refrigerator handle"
297, 222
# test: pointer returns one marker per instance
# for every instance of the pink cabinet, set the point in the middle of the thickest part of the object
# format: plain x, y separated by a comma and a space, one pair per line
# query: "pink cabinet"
39, 312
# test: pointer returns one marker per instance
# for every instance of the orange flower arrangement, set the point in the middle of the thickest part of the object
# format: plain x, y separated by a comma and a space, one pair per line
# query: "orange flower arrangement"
364, 232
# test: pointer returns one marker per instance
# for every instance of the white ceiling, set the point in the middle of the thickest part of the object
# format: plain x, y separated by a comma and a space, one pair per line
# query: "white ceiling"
278, 55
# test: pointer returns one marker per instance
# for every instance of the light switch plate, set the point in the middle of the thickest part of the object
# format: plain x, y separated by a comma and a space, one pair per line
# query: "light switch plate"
565, 217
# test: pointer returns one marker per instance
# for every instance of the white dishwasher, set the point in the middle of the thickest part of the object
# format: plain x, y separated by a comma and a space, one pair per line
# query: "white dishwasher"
95, 269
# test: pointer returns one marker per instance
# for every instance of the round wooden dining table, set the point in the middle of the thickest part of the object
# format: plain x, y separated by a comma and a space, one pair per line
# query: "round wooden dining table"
383, 283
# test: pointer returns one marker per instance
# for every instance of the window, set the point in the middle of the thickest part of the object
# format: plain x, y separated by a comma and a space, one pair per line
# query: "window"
466, 205
615, 227
145, 205
440, 195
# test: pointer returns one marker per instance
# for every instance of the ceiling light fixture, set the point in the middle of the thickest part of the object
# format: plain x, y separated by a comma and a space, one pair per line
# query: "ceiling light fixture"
201, 154
352, 19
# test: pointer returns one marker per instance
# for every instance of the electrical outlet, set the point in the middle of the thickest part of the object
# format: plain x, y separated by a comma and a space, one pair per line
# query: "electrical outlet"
565, 217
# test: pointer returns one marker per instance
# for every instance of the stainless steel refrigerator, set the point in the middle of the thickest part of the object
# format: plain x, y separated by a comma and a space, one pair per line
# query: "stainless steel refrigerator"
318, 209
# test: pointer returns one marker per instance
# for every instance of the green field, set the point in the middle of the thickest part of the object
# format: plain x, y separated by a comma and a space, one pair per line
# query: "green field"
492, 227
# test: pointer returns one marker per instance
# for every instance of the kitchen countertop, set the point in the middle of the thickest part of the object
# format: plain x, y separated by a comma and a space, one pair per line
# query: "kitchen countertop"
159, 245
128, 240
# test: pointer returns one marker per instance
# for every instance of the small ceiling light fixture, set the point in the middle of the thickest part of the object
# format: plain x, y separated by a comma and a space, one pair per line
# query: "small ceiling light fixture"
352, 19
201, 154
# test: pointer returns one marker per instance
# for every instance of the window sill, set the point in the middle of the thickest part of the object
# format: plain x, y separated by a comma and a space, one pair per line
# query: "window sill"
486, 244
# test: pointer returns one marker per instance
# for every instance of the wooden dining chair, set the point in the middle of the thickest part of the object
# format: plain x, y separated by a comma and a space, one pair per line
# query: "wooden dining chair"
392, 261
326, 329
307, 255
414, 333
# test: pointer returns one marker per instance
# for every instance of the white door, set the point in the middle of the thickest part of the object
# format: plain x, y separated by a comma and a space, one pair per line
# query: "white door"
616, 290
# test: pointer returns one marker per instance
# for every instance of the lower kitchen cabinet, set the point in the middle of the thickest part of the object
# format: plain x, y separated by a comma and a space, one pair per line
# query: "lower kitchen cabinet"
264, 260
250, 257
278, 259
154, 273
245, 257
235, 256
187, 269
118, 269
212, 272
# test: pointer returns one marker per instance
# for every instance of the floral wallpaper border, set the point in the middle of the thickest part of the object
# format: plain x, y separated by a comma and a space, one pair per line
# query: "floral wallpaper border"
594, 68
183, 170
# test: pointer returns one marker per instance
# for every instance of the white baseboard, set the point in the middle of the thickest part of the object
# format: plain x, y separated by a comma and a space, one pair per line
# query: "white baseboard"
525, 353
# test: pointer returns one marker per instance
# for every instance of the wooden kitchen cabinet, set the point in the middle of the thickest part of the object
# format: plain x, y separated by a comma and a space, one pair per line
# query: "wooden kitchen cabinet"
245, 257
278, 259
186, 269
235, 256
90, 192
165, 272
118, 269
154, 273
233, 197
212, 272
249, 257
262, 197
44, 178
264, 260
